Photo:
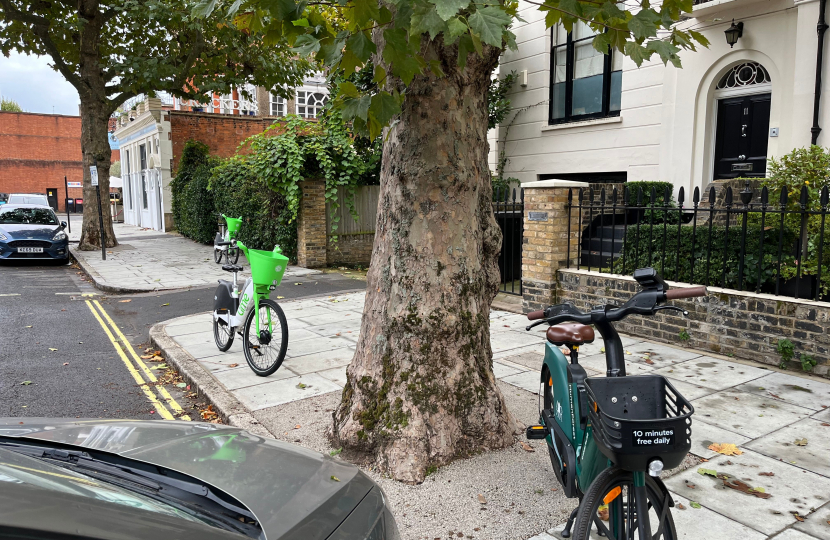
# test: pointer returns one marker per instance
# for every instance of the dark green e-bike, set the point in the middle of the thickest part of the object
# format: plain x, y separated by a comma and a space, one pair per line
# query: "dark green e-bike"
610, 437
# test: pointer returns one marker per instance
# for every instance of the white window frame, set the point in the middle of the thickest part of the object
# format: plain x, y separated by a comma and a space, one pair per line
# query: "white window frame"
310, 88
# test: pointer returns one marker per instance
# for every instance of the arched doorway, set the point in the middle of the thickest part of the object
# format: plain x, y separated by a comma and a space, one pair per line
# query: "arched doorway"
743, 96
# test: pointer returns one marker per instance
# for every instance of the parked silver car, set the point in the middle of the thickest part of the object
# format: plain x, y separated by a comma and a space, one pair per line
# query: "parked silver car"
185, 480
28, 198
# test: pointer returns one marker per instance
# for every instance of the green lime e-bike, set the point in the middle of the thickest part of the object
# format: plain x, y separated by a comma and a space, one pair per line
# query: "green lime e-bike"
250, 313
610, 437
222, 247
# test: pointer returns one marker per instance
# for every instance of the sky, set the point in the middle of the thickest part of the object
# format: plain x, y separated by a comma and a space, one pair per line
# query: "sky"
35, 86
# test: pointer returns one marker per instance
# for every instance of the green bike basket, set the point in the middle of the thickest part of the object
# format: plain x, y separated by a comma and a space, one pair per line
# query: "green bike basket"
266, 266
233, 224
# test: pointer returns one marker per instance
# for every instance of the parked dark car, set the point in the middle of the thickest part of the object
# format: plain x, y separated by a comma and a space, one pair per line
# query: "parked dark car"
30, 231
122, 479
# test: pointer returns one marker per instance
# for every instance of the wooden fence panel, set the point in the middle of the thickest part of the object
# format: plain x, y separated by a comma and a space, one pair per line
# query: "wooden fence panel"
366, 204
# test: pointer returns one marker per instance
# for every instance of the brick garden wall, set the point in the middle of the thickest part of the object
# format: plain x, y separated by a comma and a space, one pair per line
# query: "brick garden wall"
350, 249
725, 322
222, 133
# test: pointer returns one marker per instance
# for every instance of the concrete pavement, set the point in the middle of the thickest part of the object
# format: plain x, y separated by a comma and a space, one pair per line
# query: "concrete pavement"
146, 260
763, 411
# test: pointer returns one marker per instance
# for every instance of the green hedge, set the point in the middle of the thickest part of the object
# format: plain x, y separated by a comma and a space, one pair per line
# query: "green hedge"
206, 186
193, 207
636, 253
659, 188
266, 222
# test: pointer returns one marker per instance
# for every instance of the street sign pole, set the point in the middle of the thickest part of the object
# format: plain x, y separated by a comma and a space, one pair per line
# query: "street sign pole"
66, 203
93, 174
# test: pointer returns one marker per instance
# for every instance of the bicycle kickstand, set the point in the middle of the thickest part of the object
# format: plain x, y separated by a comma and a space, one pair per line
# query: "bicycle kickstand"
566, 532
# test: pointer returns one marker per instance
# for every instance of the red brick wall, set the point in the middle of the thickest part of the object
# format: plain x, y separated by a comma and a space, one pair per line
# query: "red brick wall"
221, 132
37, 150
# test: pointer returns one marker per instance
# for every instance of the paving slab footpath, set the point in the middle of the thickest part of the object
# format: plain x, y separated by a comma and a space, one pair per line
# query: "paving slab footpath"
146, 260
761, 410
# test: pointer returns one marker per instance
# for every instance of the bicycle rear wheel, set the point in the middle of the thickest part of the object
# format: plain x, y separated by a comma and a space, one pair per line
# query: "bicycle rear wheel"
265, 350
621, 516
222, 334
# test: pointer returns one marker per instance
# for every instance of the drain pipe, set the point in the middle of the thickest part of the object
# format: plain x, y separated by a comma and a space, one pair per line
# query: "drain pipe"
821, 28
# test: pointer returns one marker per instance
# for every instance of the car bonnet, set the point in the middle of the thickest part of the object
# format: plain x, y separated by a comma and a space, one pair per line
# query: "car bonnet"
294, 492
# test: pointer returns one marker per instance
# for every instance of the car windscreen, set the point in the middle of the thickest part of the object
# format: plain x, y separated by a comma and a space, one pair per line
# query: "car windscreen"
28, 216
28, 199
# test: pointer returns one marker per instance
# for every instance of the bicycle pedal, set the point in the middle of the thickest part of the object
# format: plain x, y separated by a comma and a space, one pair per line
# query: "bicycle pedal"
537, 432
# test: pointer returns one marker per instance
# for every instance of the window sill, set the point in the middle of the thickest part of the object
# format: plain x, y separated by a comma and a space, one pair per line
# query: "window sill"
583, 123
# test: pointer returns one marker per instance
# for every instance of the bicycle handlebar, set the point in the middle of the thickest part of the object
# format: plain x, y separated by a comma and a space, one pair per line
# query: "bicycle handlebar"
534, 315
231, 243
689, 292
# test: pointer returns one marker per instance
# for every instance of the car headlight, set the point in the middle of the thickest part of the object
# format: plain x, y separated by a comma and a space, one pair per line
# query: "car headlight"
60, 235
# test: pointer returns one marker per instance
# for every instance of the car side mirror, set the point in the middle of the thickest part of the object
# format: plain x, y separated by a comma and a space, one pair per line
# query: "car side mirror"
63, 224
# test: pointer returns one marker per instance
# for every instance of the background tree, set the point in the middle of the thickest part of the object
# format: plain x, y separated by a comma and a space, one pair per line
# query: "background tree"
10, 105
114, 50
420, 390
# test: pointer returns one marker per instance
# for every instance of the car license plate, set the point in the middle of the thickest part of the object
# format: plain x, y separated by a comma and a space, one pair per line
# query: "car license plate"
30, 250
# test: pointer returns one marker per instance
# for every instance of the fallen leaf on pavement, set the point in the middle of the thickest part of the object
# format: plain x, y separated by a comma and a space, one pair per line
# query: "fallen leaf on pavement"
800, 442
694, 505
26, 383
298, 426
302, 386
680, 506
181, 385
727, 449
691, 485
299, 283
335, 478
30, 326
66, 363
232, 365
710, 472
526, 447
280, 297
481, 499
649, 361
52, 349
742, 486
602, 512
127, 300
796, 516
825, 424
146, 356
766, 474
167, 304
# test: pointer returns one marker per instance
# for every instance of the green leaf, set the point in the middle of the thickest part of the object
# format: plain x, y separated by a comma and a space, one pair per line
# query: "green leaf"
644, 24
374, 127
384, 107
426, 19
664, 49
435, 68
700, 38
234, 8
612, 10
203, 8
636, 52
448, 8
465, 47
306, 44
379, 74
399, 53
709, 472
284, 10
348, 89
694, 505
364, 11
300, 22
361, 46
490, 23
455, 29
356, 108
349, 62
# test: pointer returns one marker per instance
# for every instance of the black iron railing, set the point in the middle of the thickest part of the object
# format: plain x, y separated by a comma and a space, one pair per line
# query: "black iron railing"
749, 244
508, 207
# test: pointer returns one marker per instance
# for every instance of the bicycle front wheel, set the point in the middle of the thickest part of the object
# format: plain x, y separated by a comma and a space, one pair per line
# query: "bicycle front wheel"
611, 506
233, 255
265, 349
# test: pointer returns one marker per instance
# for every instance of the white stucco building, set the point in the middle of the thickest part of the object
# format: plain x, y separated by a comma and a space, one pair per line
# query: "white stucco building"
151, 140
588, 116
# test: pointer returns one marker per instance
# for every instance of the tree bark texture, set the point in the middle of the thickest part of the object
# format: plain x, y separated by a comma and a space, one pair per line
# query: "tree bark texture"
420, 390
95, 113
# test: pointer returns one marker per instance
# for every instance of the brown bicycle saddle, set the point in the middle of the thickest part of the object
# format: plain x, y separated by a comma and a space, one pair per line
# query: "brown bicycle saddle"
570, 334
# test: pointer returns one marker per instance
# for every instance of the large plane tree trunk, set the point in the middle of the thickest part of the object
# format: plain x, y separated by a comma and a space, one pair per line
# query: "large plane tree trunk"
95, 146
421, 389
95, 113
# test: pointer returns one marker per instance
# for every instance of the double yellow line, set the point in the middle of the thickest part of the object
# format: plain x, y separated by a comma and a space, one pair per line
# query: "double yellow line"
123, 347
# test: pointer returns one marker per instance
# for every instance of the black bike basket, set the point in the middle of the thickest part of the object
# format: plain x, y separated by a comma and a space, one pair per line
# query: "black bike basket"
638, 418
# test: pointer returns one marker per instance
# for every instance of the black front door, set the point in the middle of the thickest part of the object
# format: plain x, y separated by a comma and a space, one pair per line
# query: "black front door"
52, 198
742, 136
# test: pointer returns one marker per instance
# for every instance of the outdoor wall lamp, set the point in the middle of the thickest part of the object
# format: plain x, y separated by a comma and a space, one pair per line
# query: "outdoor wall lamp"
734, 33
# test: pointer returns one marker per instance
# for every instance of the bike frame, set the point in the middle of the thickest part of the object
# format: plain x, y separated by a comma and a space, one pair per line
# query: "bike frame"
243, 302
